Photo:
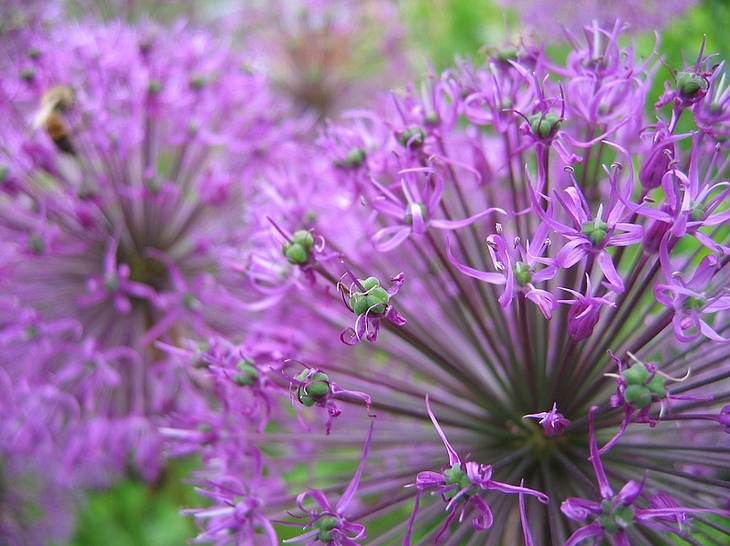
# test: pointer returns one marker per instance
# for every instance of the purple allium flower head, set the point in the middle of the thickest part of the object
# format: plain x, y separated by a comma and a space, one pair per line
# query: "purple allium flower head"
618, 513
127, 164
542, 274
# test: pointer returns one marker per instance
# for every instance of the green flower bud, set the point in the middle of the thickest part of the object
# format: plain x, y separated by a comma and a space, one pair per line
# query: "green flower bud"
354, 158
297, 252
698, 213
315, 386
596, 231
693, 303
544, 125
154, 87
318, 385
656, 387
523, 273
198, 82
636, 374
248, 373
612, 519
325, 525
691, 84
414, 134
374, 298
455, 475
638, 396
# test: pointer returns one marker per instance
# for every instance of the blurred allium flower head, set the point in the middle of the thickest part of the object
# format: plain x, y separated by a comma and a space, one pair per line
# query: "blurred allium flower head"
126, 169
327, 54
574, 14
496, 314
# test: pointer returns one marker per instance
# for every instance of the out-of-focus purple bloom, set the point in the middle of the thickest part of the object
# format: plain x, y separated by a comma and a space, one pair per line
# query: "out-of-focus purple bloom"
126, 162
327, 55
574, 14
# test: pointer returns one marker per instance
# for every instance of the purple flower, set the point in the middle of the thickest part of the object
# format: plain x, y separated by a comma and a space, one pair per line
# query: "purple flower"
617, 513
371, 303
552, 422
330, 524
580, 239
459, 483
125, 152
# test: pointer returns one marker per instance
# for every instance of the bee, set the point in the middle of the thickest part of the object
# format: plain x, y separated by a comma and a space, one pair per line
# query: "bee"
50, 116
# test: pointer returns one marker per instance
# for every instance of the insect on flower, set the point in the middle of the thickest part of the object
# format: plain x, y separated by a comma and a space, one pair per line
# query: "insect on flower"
49, 117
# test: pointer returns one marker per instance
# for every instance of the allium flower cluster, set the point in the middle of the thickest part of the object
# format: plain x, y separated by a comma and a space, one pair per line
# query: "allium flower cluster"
558, 263
127, 161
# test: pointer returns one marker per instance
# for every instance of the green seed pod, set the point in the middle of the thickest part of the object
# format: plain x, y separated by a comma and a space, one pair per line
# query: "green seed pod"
413, 135
248, 373
318, 386
523, 273
638, 396
636, 374
375, 298
691, 85
325, 525
295, 254
657, 388
305, 400
693, 303
304, 238
544, 125
595, 231
354, 158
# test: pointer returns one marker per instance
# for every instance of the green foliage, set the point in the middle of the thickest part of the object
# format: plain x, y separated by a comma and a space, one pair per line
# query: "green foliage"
442, 29
134, 513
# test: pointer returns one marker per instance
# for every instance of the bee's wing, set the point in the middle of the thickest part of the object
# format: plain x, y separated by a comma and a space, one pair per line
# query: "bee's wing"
42, 115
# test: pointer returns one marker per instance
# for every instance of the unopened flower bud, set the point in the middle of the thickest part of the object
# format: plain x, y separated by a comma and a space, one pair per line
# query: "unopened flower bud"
544, 125
314, 386
412, 136
691, 85
595, 230
354, 158
247, 373
373, 299
297, 252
